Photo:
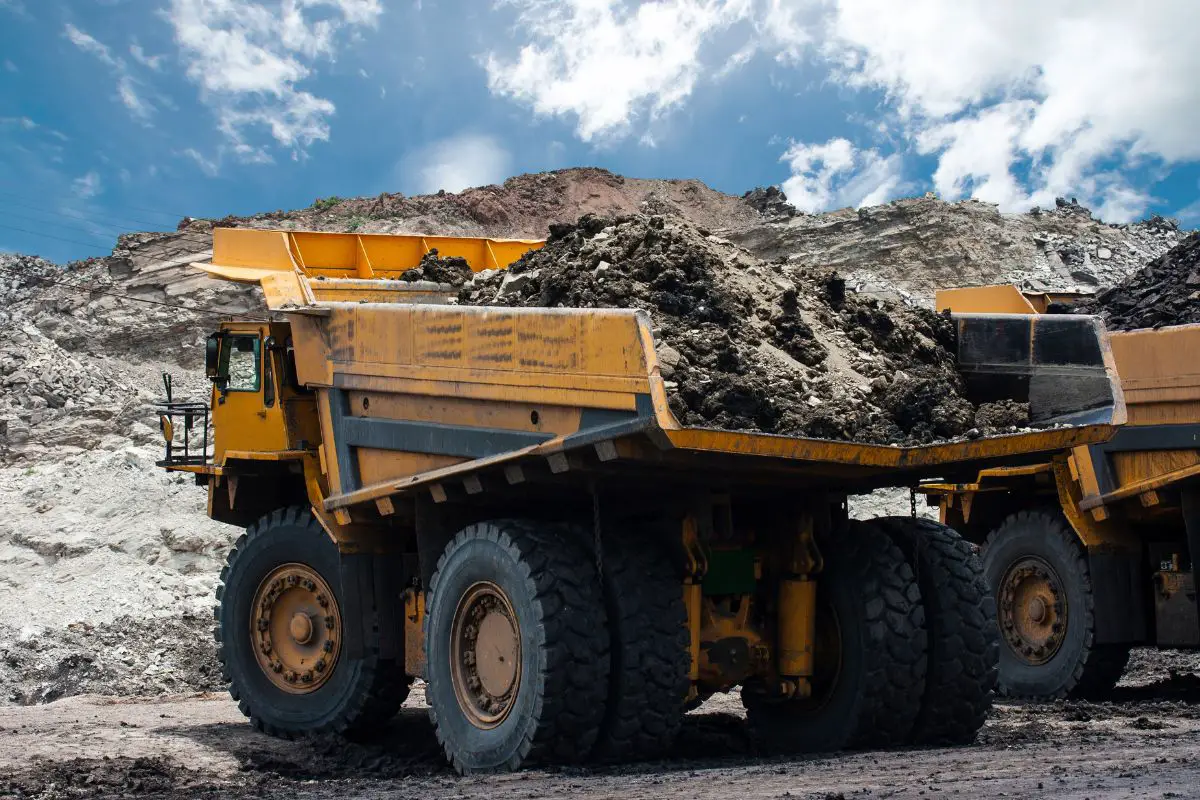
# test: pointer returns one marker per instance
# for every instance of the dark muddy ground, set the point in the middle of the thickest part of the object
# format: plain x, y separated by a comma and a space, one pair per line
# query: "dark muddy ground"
1144, 743
760, 346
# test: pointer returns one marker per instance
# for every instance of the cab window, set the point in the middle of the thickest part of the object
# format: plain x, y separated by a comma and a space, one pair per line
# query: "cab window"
243, 362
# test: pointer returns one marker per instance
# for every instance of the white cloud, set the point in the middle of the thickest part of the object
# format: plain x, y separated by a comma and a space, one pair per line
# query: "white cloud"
240, 152
836, 174
605, 63
25, 123
10, 66
89, 44
457, 163
87, 186
248, 57
1063, 90
128, 87
208, 166
1189, 214
1018, 101
139, 55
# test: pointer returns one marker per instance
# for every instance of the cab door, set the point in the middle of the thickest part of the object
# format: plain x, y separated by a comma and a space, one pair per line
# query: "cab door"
247, 413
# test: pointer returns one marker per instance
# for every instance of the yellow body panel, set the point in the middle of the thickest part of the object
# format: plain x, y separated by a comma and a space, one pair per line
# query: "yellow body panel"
1160, 380
298, 268
404, 395
1160, 373
240, 420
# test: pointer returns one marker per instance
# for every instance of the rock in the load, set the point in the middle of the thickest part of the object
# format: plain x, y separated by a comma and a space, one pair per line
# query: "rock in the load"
752, 345
1162, 293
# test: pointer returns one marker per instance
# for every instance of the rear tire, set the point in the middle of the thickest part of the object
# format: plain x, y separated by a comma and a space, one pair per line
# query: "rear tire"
556, 698
358, 695
1078, 666
648, 681
964, 641
874, 696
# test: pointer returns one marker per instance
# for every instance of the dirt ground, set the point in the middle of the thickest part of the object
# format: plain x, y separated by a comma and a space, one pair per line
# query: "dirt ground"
1145, 743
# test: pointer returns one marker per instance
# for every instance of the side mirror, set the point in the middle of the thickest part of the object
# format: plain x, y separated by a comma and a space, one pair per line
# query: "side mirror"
212, 359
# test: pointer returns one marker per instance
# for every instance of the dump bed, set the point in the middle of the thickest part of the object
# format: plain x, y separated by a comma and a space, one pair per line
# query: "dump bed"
418, 395
1159, 448
1160, 445
423, 397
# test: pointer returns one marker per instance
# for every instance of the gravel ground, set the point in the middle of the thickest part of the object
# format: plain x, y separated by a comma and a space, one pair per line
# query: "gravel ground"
1144, 745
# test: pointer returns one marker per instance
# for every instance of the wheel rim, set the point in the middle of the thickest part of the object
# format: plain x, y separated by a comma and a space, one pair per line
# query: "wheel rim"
485, 655
296, 628
1033, 610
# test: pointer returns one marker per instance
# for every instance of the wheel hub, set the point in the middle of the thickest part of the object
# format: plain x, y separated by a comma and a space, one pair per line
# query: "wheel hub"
1032, 610
486, 655
296, 628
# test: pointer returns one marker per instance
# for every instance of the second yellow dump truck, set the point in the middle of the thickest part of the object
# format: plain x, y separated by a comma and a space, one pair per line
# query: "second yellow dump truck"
499, 501
1092, 551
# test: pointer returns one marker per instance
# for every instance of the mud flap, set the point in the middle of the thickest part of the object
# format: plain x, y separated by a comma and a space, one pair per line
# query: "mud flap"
1119, 596
1190, 499
371, 596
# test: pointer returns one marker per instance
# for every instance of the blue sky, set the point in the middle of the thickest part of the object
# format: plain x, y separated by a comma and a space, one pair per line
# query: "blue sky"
127, 114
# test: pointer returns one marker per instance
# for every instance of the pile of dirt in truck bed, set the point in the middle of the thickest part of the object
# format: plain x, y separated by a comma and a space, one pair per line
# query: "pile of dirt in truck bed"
758, 346
1164, 292
453, 270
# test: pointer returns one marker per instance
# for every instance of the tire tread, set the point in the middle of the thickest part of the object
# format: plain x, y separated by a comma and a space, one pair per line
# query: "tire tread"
964, 641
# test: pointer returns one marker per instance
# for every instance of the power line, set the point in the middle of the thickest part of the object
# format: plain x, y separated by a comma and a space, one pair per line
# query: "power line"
8, 213
104, 218
51, 236
205, 243
199, 239
163, 212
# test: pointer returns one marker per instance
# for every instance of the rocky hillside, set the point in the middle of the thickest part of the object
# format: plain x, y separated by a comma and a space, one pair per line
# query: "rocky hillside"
107, 564
910, 248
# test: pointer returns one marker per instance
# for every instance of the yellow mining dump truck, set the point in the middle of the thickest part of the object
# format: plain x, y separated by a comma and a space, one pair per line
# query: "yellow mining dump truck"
499, 501
1092, 550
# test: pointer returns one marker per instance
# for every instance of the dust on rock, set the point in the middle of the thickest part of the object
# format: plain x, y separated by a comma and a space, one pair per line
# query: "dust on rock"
751, 345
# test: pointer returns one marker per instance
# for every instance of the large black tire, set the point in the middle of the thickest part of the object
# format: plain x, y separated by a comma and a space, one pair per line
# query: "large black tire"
960, 615
361, 693
1080, 667
550, 580
875, 698
647, 620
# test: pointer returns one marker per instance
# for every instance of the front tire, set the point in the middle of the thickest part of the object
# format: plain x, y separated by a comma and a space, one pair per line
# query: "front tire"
868, 692
1038, 570
517, 647
279, 635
